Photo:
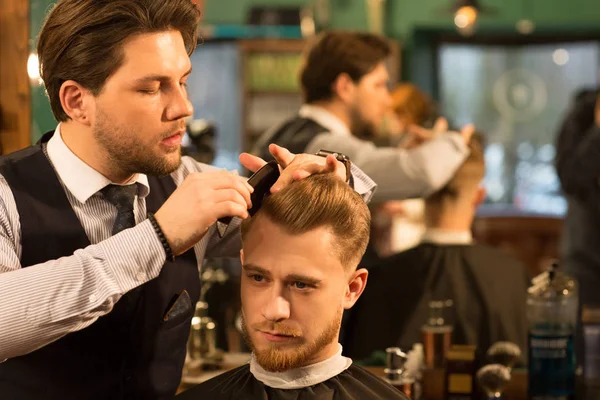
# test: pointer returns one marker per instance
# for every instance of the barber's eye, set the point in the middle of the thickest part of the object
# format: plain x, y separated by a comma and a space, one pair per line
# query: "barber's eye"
149, 90
257, 278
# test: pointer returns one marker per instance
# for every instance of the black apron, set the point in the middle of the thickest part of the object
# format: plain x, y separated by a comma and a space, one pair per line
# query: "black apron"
294, 134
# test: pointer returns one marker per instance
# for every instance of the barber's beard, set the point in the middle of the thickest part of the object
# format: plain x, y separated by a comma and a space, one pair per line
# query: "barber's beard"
126, 155
276, 358
360, 127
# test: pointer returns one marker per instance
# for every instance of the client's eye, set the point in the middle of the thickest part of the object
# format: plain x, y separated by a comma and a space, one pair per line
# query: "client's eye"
257, 278
301, 285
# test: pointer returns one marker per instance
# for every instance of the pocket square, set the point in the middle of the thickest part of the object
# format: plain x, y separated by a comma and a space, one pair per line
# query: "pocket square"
183, 305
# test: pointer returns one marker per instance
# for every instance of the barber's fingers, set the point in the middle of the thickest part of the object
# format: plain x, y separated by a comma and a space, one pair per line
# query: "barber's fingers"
332, 165
467, 132
420, 132
304, 169
230, 209
252, 163
283, 156
232, 195
290, 174
441, 125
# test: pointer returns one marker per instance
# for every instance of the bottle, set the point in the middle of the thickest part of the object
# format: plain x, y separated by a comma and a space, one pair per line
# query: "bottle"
436, 334
397, 375
590, 321
202, 338
552, 316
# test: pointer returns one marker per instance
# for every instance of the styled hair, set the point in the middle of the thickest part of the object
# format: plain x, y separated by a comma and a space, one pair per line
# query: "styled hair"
467, 178
321, 200
334, 53
412, 104
82, 40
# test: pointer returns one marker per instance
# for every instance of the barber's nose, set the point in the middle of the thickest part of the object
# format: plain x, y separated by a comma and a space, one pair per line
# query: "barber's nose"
180, 106
277, 309
387, 98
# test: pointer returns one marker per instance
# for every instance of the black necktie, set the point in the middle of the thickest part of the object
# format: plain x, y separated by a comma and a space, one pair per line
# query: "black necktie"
121, 197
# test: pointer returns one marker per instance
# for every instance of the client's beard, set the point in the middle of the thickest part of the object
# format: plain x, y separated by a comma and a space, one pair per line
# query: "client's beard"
277, 358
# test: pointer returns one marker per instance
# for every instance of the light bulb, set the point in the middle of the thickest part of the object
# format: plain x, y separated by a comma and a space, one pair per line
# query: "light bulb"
560, 56
465, 19
33, 69
525, 26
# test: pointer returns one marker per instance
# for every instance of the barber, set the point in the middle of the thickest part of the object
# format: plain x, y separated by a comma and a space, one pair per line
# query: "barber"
103, 224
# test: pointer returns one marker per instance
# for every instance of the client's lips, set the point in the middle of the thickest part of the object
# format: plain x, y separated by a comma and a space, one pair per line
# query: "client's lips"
276, 336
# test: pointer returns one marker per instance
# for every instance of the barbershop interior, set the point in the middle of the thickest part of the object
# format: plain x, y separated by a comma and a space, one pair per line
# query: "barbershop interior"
424, 229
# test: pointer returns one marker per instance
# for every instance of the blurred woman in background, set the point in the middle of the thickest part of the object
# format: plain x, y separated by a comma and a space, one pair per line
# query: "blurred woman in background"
398, 225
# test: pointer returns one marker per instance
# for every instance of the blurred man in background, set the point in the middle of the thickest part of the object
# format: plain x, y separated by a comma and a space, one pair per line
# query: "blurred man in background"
344, 80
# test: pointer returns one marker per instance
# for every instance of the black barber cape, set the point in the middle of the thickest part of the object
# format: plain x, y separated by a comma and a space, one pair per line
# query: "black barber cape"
355, 383
488, 288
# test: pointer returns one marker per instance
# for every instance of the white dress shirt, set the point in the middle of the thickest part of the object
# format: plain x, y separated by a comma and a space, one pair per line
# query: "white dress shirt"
41, 303
326, 119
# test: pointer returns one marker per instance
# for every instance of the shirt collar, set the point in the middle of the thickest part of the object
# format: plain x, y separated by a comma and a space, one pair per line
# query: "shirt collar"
79, 178
302, 377
442, 236
325, 118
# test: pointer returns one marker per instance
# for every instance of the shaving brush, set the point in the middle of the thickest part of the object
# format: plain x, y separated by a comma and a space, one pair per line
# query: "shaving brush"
504, 353
493, 378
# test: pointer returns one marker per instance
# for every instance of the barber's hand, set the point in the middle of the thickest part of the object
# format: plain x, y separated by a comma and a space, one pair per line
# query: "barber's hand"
421, 135
198, 202
295, 166
440, 126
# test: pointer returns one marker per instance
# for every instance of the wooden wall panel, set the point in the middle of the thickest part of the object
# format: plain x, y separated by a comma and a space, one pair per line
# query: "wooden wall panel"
533, 240
15, 102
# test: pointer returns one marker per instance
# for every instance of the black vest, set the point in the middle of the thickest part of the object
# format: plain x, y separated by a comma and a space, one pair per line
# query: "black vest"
131, 352
294, 134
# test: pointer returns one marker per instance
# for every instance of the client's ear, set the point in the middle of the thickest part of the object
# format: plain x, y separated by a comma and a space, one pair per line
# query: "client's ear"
479, 196
356, 285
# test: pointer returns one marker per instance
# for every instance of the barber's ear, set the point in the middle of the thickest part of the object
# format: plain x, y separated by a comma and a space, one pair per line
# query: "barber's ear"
77, 102
344, 88
242, 256
356, 286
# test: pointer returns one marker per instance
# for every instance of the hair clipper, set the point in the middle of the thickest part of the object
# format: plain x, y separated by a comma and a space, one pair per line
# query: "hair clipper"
261, 181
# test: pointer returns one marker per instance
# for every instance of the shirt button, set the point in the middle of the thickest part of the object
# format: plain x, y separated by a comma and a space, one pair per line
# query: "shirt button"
92, 298
140, 276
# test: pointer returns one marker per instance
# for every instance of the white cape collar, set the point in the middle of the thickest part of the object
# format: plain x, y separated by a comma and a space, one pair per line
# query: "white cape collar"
304, 376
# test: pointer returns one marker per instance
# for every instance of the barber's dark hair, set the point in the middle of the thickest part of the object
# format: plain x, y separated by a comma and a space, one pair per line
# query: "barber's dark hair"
82, 40
336, 53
